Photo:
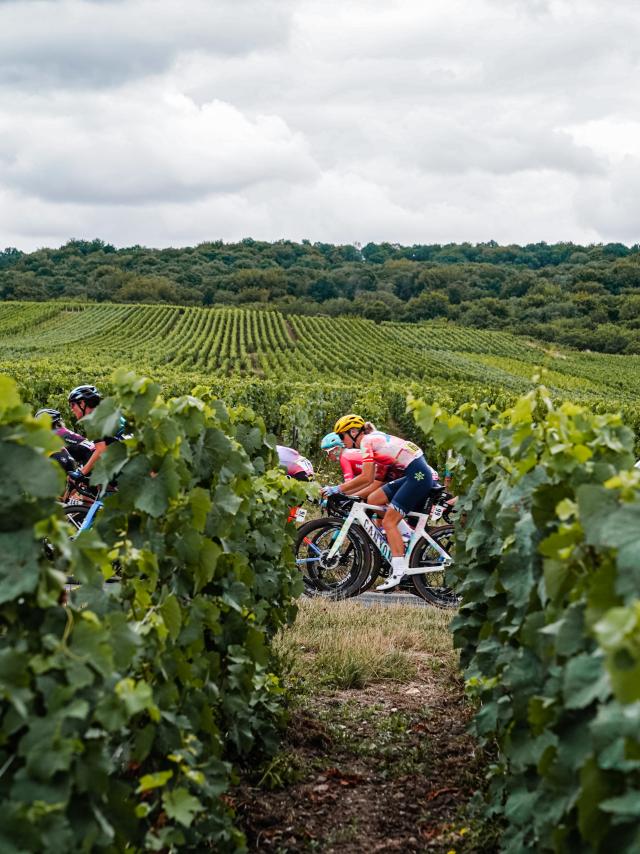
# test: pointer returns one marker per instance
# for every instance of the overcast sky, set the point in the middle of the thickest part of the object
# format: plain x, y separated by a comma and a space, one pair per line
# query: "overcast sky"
166, 122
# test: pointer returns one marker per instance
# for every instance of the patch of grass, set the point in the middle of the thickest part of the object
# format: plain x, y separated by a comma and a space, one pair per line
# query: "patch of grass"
283, 770
394, 741
369, 762
347, 645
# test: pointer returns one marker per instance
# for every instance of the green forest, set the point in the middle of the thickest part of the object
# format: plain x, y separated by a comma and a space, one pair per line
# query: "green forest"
586, 297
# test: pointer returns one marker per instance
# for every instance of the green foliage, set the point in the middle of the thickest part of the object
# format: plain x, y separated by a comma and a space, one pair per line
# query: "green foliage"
124, 707
547, 562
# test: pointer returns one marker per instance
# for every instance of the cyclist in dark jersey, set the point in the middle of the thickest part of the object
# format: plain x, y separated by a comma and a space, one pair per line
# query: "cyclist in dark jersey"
79, 447
83, 400
70, 463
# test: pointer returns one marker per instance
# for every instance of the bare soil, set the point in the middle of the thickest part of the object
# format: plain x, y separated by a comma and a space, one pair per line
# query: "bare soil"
389, 767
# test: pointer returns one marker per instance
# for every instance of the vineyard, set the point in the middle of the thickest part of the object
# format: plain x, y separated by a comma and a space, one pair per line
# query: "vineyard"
546, 565
280, 364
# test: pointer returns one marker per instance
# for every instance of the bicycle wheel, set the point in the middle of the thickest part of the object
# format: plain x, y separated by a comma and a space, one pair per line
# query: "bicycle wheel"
75, 514
375, 565
338, 577
431, 585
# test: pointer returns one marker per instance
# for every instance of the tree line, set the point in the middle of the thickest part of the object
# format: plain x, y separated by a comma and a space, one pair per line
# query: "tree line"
581, 296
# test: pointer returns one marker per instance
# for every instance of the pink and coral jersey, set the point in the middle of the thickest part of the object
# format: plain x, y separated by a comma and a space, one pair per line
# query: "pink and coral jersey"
383, 449
351, 465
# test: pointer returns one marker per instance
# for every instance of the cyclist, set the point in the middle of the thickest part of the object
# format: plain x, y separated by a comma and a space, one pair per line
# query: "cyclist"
83, 399
63, 457
402, 496
78, 446
297, 466
350, 460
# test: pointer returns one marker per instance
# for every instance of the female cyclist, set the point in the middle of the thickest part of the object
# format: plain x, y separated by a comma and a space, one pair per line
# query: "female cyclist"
402, 496
351, 463
350, 460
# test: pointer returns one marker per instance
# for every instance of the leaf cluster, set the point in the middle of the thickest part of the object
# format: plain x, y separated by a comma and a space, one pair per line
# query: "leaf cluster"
124, 707
548, 564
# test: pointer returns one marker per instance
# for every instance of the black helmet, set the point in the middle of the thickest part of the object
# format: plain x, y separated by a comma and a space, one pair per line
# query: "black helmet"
54, 414
87, 394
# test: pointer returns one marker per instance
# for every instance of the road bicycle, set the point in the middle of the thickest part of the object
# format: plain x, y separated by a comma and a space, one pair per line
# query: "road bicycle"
342, 555
80, 504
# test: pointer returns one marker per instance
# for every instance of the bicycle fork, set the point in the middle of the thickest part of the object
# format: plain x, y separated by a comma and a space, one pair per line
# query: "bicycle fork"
88, 519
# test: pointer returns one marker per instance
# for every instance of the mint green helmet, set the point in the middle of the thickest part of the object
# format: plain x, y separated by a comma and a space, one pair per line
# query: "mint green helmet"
331, 441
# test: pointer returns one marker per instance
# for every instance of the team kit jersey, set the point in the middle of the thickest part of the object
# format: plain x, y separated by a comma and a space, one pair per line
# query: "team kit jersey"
80, 448
383, 449
351, 465
410, 489
295, 464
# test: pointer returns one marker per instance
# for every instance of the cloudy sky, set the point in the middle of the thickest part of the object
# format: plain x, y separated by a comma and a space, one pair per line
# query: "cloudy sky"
171, 122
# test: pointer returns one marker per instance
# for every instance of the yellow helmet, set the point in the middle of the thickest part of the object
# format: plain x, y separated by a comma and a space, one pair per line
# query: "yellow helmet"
348, 422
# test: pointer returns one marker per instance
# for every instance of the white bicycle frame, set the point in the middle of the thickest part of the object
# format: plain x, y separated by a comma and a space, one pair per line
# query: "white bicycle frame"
358, 515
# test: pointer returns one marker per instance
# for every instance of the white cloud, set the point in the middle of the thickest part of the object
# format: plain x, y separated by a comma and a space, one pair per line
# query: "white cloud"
158, 122
146, 145
612, 205
79, 44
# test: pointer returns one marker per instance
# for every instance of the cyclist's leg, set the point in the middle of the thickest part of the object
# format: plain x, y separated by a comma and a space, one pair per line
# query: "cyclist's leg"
405, 495
386, 492
390, 524
381, 497
390, 520
414, 488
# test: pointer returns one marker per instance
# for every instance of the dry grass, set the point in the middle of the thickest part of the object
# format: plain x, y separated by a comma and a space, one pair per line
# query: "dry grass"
348, 645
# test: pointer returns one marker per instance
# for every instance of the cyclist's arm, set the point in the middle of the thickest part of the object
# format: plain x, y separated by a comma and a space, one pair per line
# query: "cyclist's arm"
101, 447
366, 491
364, 479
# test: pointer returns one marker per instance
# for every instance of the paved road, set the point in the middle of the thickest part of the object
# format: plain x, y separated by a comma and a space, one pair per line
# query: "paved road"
383, 600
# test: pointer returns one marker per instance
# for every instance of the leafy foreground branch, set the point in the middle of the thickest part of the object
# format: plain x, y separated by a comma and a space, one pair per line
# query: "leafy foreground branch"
124, 710
548, 564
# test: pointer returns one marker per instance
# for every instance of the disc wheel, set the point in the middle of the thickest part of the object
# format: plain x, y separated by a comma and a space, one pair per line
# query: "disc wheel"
431, 585
337, 577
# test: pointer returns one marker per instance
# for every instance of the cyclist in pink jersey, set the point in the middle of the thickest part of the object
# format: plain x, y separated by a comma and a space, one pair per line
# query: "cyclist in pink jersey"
296, 465
401, 496
351, 464
351, 459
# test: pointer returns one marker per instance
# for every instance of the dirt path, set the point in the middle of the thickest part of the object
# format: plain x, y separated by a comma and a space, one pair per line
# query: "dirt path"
386, 768
291, 332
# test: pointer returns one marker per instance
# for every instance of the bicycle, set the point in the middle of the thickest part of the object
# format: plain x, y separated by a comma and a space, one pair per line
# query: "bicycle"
342, 555
80, 503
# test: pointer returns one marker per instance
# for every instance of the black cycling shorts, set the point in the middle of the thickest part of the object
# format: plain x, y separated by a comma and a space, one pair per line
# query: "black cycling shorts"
409, 493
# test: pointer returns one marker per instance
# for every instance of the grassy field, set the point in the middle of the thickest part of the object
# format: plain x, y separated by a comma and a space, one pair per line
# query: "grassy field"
375, 756
345, 645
